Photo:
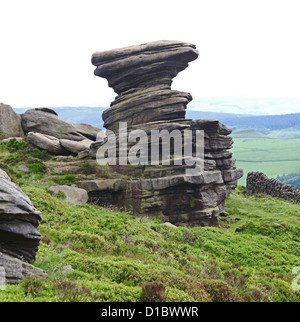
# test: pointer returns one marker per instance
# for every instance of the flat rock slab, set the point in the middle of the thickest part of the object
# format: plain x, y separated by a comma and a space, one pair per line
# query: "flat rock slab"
73, 195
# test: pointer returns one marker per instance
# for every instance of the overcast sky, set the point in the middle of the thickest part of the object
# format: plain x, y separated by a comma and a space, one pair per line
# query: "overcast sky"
247, 48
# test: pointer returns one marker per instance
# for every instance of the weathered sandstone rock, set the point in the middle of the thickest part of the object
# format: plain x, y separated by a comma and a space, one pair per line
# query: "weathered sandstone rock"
18, 221
46, 142
10, 122
73, 195
15, 270
76, 146
87, 130
142, 76
48, 123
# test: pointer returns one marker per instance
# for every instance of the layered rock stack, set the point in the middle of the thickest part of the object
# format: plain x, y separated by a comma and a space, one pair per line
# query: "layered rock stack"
142, 76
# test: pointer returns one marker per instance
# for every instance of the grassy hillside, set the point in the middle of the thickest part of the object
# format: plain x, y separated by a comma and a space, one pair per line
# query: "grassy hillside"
120, 257
274, 157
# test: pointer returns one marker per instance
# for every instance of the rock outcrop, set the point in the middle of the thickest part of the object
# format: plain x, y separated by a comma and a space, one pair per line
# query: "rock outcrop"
142, 76
258, 182
18, 221
45, 130
10, 122
15, 270
45, 122
73, 195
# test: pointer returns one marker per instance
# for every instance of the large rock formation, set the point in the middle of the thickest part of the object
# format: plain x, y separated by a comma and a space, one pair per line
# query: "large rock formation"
258, 182
18, 221
10, 122
142, 76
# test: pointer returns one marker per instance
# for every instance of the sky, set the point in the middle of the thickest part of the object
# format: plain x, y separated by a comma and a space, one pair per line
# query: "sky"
247, 48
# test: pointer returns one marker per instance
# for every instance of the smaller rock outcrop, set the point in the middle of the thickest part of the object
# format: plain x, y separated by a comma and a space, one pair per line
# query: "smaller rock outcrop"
44, 122
18, 221
10, 122
258, 182
47, 131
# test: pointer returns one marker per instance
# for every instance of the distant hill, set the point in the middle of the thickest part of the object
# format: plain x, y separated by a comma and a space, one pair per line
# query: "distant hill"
248, 134
82, 114
258, 144
93, 115
266, 123
278, 126
292, 178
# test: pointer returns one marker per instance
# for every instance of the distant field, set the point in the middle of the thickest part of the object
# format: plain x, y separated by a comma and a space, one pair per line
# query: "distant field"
274, 157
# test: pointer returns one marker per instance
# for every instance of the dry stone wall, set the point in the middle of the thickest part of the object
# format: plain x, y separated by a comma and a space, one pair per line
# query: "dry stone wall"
258, 182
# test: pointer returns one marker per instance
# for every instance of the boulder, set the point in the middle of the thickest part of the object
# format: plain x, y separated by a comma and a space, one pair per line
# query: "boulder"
46, 142
87, 130
73, 195
10, 122
76, 146
23, 168
16, 270
44, 122
18, 221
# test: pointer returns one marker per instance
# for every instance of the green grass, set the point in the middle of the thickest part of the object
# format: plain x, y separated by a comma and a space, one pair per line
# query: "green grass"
274, 157
121, 257
113, 254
